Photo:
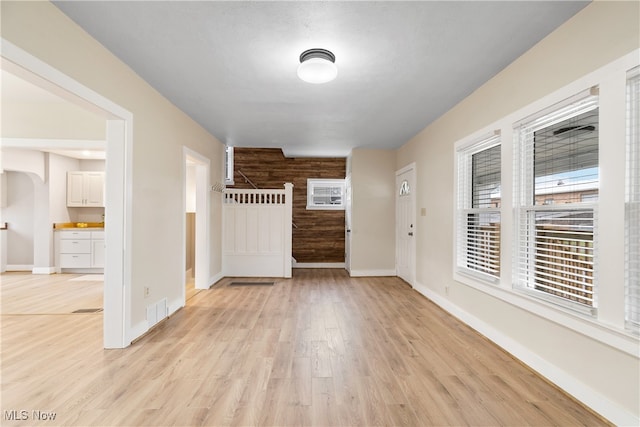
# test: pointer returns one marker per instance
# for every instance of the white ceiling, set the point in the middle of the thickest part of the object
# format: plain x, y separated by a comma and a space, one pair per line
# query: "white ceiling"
231, 66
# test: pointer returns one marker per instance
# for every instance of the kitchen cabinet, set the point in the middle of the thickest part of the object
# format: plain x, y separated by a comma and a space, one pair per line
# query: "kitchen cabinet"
97, 249
85, 189
80, 249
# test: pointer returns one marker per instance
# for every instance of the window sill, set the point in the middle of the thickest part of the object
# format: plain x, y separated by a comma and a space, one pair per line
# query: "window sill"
479, 276
325, 208
585, 324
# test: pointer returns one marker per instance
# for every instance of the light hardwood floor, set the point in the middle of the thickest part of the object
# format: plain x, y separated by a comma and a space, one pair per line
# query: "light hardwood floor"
319, 349
24, 293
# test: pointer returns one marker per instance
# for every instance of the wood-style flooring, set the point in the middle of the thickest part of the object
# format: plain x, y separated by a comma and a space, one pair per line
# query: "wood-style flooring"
320, 349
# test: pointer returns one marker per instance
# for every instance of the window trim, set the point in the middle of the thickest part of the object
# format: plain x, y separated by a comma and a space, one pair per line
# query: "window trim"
228, 165
525, 207
608, 332
632, 203
464, 202
312, 183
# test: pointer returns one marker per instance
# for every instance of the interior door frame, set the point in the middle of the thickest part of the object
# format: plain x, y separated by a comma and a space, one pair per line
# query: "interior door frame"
117, 329
347, 228
412, 247
203, 224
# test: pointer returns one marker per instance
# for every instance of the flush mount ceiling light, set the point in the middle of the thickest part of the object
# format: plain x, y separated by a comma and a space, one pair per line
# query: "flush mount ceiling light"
317, 66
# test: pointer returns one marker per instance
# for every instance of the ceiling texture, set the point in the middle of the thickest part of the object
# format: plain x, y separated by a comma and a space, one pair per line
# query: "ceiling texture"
231, 66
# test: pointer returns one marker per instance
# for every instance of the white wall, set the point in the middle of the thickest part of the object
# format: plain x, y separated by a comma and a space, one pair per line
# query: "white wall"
3, 191
23, 160
93, 165
372, 212
594, 359
18, 214
190, 190
160, 130
25, 172
60, 120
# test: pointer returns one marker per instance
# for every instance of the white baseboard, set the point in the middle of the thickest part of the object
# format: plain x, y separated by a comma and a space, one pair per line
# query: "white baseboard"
137, 331
19, 267
43, 270
215, 279
594, 400
318, 265
81, 270
372, 273
174, 306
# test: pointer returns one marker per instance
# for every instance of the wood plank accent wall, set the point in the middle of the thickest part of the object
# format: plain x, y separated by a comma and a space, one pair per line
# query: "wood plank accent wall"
319, 236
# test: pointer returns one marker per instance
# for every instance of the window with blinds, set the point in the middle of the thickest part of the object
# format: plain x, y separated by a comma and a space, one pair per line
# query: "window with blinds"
478, 213
632, 211
228, 165
557, 184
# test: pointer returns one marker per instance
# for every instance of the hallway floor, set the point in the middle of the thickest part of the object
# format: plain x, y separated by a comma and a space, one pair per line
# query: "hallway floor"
319, 349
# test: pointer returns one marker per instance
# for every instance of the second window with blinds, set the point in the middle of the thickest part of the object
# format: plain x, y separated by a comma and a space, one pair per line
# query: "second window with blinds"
478, 213
557, 186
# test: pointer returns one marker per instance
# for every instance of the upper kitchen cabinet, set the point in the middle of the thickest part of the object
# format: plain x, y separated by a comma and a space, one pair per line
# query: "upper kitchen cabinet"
85, 189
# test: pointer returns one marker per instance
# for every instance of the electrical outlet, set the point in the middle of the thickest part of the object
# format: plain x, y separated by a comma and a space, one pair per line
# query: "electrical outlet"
147, 291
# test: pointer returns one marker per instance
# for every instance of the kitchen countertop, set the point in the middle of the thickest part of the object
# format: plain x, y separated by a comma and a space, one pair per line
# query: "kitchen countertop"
79, 229
74, 226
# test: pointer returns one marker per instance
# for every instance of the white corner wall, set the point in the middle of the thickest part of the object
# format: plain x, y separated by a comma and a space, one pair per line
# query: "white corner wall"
159, 131
18, 214
372, 212
595, 360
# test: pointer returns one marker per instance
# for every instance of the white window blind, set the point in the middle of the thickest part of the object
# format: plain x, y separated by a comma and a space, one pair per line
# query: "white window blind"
557, 182
632, 214
228, 165
479, 201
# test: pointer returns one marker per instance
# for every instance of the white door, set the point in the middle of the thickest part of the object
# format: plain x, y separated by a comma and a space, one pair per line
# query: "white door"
406, 223
347, 224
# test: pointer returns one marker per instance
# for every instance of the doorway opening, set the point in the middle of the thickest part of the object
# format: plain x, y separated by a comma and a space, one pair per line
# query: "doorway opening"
196, 222
117, 330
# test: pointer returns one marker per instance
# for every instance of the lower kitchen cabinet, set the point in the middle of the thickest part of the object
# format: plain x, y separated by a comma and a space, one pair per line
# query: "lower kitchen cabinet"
80, 249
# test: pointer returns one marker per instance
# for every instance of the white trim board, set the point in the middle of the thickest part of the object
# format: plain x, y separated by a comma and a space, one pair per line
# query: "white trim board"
43, 270
89, 278
593, 399
318, 265
53, 144
372, 273
19, 267
215, 279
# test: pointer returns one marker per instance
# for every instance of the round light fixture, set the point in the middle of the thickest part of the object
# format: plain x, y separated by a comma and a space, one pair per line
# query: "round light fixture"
317, 66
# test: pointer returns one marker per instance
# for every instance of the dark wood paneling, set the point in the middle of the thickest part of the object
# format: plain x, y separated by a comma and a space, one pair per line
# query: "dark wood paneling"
319, 236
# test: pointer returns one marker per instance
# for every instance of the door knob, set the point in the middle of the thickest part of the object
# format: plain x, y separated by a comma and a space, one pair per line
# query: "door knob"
411, 233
